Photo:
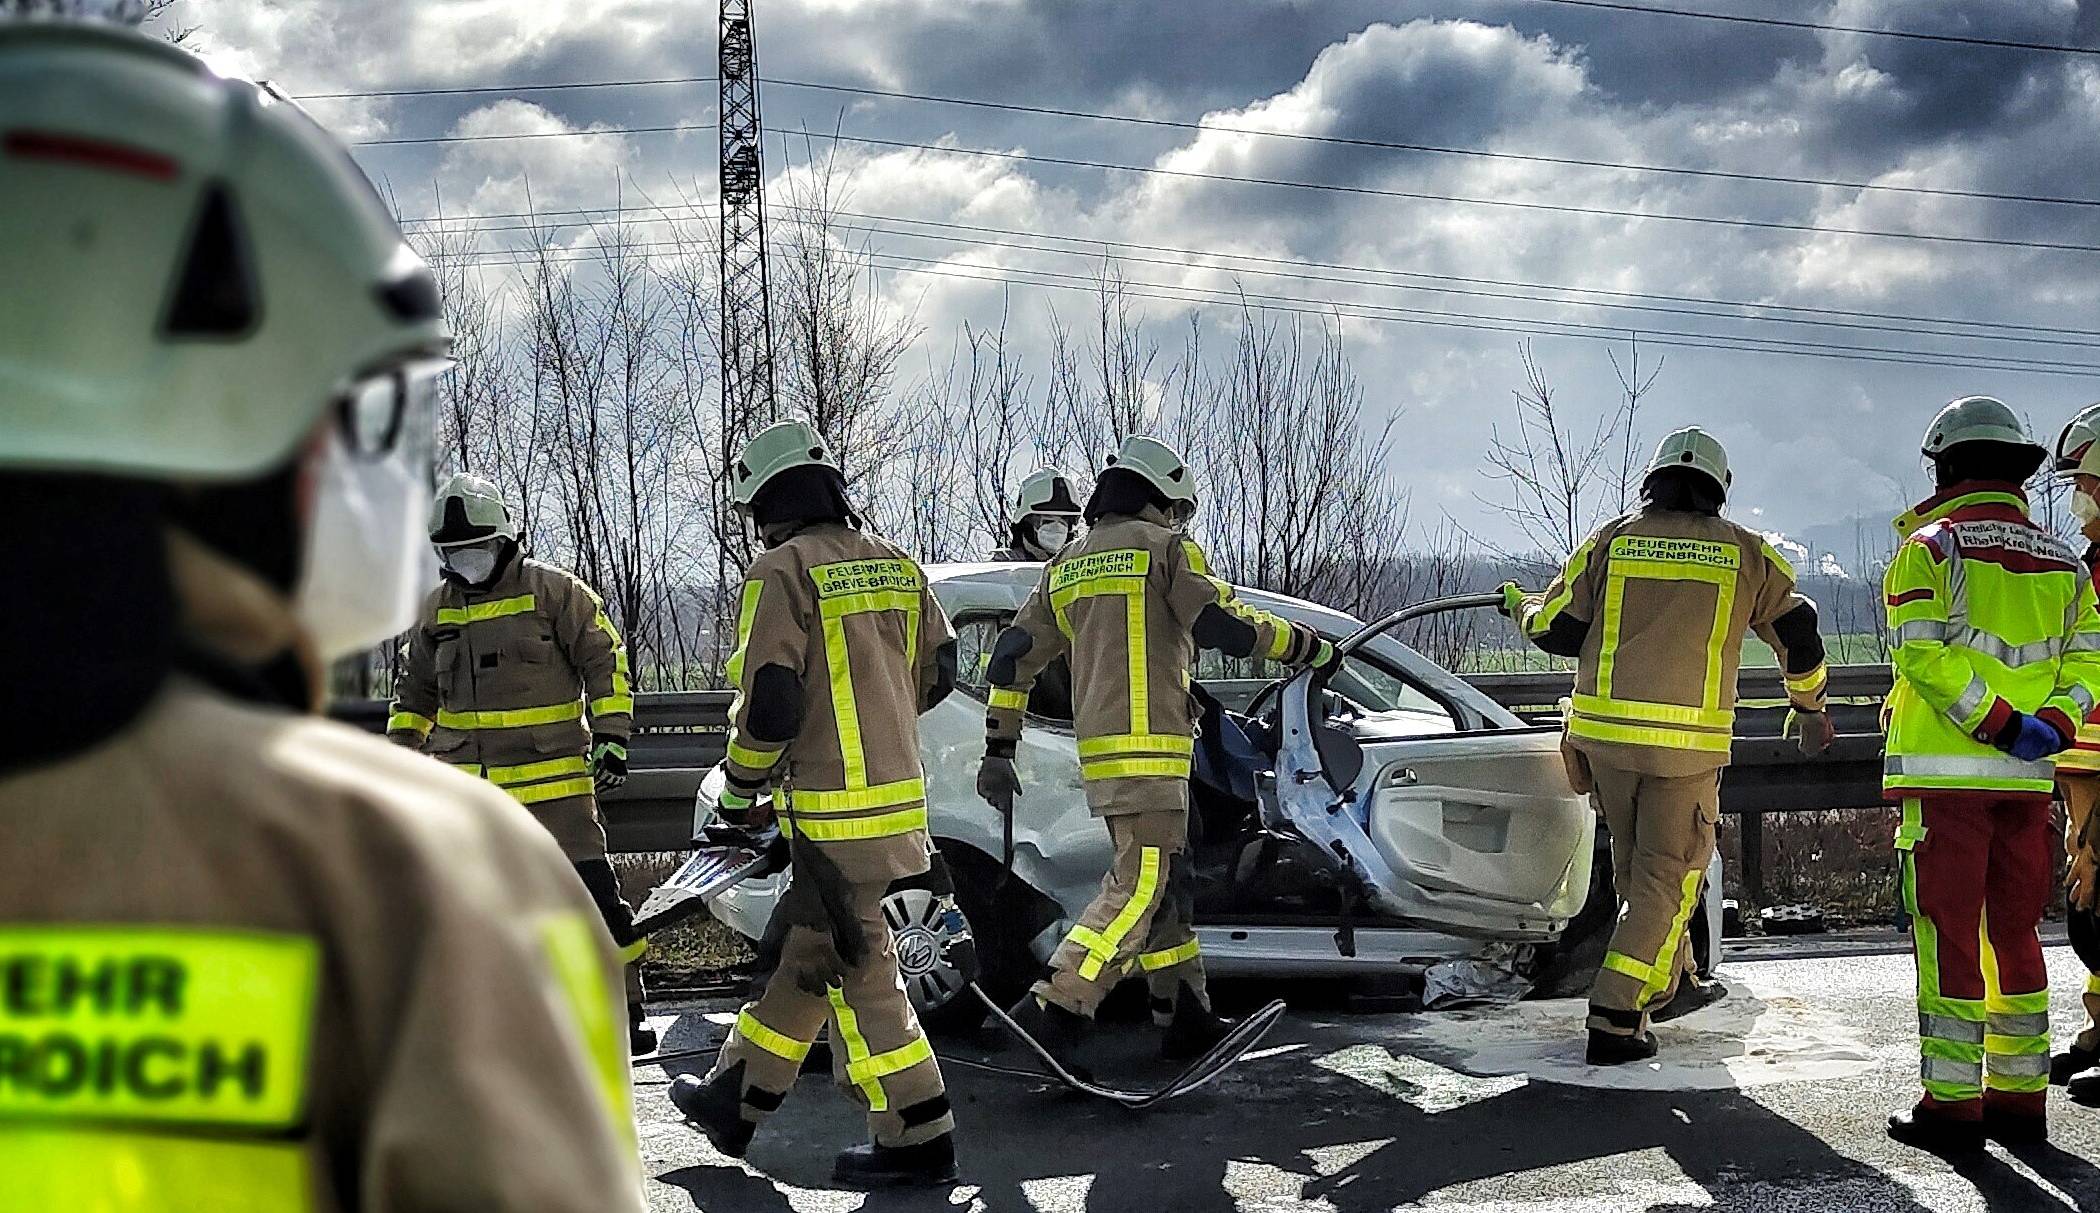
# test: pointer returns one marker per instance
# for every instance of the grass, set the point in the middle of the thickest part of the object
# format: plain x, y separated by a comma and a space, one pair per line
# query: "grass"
695, 952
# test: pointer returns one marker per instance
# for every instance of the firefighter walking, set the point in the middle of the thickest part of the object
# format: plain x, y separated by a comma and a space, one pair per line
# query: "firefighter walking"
1654, 606
255, 960
514, 673
1130, 603
840, 647
2078, 768
1997, 660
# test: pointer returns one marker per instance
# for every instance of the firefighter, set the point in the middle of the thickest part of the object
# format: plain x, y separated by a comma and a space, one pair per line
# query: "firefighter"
1654, 606
1130, 603
840, 646
249, 959
508, 660
1045, 517
1997, 659
2078, 768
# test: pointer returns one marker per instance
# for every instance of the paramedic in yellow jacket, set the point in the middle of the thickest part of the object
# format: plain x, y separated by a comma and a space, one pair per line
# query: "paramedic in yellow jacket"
1654, 606
253, 960
1131, 603
2078, 768
515, 674
840, 647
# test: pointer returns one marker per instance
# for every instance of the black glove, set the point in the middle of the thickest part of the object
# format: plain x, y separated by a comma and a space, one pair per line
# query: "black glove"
608, 762
998, 783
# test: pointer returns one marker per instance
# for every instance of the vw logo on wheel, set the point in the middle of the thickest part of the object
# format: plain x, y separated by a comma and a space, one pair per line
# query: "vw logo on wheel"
917, 951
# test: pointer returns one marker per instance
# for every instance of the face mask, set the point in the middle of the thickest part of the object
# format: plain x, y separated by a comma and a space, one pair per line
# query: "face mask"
1051, 534
2084, 508
367, 564
472, 564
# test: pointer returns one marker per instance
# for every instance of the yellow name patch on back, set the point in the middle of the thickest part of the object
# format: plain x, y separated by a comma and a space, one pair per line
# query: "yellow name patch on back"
1123, 562
865, 576
144, 1023
1709, 552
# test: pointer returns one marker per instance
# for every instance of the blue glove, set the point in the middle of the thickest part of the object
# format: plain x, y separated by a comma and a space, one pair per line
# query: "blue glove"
2031, 739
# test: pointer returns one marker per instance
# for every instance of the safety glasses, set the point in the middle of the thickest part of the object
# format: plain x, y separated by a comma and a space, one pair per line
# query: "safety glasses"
390, 414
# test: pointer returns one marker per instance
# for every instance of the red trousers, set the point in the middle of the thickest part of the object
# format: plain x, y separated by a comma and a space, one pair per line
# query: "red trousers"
1978, 870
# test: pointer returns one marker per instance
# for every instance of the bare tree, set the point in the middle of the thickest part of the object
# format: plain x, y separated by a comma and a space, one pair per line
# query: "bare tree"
1558, 482
1101, 387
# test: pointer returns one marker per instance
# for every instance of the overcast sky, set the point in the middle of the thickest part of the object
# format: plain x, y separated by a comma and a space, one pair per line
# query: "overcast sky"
1813, 440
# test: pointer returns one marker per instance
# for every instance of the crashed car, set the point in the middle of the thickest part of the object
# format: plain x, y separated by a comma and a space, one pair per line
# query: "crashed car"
1389, 819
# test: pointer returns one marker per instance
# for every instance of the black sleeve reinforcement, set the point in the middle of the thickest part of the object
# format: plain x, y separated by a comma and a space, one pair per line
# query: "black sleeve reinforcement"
776, 705
1804, 644
943, 676
1564, 636
1012, 645
1217, 628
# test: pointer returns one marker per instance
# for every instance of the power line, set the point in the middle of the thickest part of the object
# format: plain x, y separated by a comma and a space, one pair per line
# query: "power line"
1451, 320
662, 216
1303, 275
1784, 23
1296, 136
603, 130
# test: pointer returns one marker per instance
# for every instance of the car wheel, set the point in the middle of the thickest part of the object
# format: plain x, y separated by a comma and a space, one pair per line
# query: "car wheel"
1005, 965
1570, 964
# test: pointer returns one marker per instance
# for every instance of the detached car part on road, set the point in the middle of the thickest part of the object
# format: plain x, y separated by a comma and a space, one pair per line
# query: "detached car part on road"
1387, 820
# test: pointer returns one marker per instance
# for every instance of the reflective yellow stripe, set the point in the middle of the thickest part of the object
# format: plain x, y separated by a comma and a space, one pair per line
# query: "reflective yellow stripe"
1167, 958
538, 793
613, 705
634, 951
856, 1048
50, 1168
882, 1065
1666, 960
840, 597
571, 944
756, 760
1619, 962
1541, 621
477, 611
1135, 768
622, 689
1675, 739
822, 829
409, 722
1010, 700
857, 800
779, 1044
1101, 948
1912, 831
746, 613
516, 718
156, 1024
1655, 713
1136, 743
1653, 558
1280, 645
1140, 675
1809, 683
532, 771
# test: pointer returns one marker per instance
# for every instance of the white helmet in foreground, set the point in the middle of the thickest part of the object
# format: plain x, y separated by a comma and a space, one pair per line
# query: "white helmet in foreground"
2078, 447
193, 275
773, 450
1693, 448
1974, 419
1159, 464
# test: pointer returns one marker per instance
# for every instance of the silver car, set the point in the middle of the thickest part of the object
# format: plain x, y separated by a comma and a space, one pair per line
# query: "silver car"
1389, 821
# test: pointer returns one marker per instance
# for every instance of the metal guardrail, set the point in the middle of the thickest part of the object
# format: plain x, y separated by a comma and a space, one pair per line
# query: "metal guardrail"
680, 734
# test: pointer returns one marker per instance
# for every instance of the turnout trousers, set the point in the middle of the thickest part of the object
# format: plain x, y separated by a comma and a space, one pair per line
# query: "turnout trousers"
1142, 920
879, 1053
1662, 840
1978, 870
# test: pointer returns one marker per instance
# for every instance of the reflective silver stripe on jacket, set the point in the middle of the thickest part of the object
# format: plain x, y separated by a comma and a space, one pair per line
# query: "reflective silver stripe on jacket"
2013, 655
1921, 629
1970, 701
1966, 766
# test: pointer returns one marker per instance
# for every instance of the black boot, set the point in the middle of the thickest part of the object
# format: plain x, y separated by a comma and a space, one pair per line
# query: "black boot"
641, 1038
1612, 1049
716, 1107
2014, 1128
871, 1166
1936, 1132
1059, 1031
1692, 995
1191, 1028
2070, 1063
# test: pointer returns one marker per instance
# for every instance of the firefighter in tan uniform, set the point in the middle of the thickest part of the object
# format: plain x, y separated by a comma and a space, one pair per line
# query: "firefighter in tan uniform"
1130, 603
514, 673
1654, 607
840, 647
2078, 768
249, 960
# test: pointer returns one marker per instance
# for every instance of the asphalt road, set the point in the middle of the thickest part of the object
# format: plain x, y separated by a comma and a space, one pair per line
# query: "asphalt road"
1773, 1099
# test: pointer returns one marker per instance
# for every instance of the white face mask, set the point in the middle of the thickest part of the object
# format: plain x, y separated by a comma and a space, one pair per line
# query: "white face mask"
1052, 534
367, 565
472, 564
2084, 508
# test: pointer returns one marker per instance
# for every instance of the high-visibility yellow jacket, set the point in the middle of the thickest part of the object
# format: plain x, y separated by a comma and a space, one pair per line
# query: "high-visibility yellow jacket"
840, 646
501, 680
1989, 615
1131, 602
2083, 758
1654, 606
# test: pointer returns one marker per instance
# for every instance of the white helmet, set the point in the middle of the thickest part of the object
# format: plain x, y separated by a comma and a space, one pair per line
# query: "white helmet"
469, 509
2078, 447
773, 450
1159, 464
1975, 419
1694, 448
1046, 491
191, 270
